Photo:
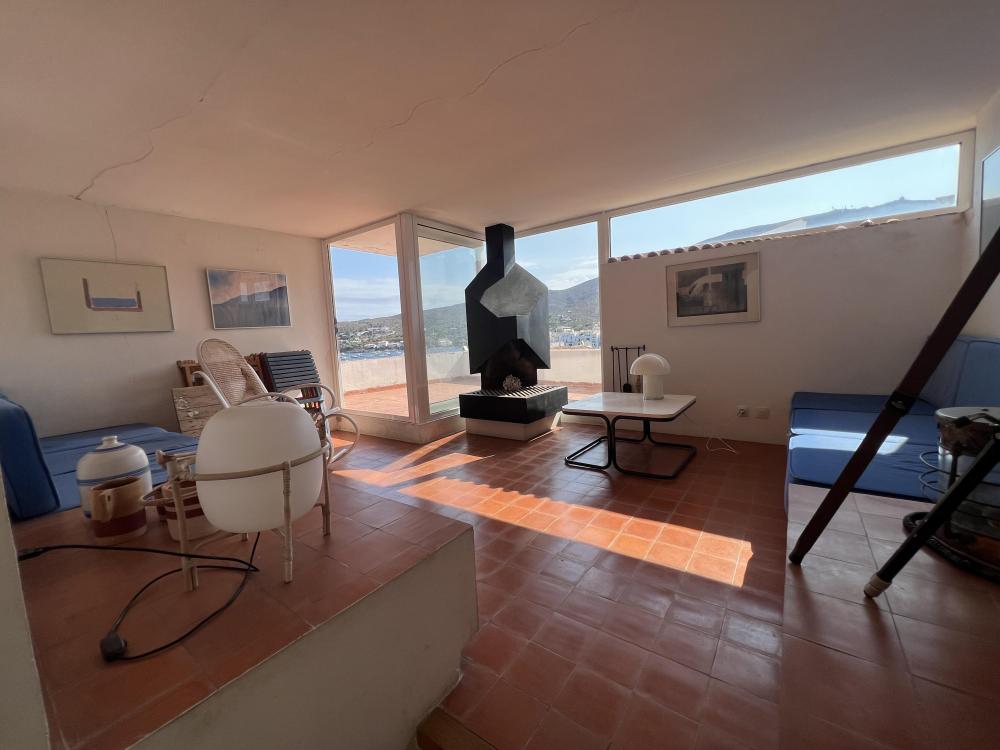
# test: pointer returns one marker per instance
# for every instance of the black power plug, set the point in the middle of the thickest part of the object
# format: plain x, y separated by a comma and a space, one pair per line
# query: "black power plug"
113, 647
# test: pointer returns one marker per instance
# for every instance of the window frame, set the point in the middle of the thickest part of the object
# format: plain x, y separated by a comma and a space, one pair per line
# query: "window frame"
966, 141
603, 221
331, 304
407, 227
412, 224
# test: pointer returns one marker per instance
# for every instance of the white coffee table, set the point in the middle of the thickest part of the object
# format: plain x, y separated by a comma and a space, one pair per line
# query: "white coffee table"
616, 407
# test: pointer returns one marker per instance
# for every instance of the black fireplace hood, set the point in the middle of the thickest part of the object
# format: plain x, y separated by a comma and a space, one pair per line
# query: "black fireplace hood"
507, 311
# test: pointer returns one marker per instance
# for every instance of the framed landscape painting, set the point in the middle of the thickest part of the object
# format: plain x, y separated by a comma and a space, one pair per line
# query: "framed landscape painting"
248, 299
725, 290
91, 296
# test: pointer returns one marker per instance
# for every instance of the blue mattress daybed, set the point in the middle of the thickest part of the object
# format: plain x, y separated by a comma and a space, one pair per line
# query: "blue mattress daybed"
826, 428
40, 474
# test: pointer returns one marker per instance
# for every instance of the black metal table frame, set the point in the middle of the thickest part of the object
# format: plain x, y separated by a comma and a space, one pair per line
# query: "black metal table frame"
612, 439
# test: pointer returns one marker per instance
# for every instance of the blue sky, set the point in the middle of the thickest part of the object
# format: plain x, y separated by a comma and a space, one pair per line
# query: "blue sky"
367, 285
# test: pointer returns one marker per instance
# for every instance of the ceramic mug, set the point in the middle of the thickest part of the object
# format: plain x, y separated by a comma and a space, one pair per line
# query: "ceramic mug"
117, 510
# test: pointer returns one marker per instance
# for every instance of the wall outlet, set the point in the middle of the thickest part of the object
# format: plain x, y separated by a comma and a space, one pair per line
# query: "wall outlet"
742, 411
762, 412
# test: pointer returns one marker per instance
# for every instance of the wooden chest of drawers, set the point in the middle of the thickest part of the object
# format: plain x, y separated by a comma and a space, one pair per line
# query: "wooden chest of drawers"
194, 405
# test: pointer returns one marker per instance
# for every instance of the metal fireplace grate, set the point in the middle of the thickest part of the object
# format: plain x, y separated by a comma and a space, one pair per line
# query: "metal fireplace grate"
531, 390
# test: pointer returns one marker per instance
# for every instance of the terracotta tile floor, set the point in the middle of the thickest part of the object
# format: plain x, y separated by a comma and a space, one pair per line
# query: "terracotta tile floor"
392, 399
619, 612
73, 596
630, 613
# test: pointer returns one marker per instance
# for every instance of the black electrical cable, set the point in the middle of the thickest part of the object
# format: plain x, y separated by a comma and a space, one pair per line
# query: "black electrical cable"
113, 646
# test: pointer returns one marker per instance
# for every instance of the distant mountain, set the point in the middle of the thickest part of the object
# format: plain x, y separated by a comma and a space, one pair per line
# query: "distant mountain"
575, 308
835, 217
252, 311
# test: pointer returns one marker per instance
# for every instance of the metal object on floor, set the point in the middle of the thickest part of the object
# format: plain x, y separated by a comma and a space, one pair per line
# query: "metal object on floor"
958, 493
970, 537
966, 300
613, 408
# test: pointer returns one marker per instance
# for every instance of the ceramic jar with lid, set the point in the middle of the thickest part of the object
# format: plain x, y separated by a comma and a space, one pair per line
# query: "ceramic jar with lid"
109, 461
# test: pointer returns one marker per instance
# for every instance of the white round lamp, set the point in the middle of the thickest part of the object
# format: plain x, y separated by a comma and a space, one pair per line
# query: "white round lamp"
247, 440
653, 369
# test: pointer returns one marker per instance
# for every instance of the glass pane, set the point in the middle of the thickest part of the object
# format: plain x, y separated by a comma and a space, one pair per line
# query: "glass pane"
565, 260
921, 181
448, 262
368, 322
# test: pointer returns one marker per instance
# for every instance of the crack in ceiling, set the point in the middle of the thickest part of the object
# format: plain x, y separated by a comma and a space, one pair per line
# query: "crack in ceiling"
206, 91
482, 83
491, 73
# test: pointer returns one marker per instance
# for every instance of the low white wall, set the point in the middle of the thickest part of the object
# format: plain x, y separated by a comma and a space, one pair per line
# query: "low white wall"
361, 374
568, 365
362, 681
76, 382
573, 366
842, 311
22, 711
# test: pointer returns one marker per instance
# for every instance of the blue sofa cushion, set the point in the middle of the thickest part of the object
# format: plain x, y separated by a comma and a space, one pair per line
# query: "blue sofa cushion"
63, 452
27, 484
980, 381
864, 403
40, 475
127, 433
896, 469
921, 430
942, 387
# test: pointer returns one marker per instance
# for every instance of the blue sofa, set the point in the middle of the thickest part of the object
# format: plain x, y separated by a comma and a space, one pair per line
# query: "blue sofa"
826, 428
40, 474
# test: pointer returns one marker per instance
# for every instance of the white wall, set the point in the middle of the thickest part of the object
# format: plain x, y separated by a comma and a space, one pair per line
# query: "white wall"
986, 321
361, 681
75, 382
22, 712
842, 311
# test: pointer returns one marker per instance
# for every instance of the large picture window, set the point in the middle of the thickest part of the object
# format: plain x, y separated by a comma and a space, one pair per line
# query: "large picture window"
912, 183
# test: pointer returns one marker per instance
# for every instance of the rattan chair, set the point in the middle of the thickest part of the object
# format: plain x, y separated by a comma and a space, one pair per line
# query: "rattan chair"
227, 373
234, 382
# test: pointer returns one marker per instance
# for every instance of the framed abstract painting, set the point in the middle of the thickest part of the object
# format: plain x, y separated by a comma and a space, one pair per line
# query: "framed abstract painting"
92, 296
725, 290
248, 299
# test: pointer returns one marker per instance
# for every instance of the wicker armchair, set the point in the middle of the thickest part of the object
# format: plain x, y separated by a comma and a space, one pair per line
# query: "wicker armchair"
234, 382
227, 373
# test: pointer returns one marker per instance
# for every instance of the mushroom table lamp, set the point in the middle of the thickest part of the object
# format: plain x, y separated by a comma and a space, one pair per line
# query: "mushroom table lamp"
653, 368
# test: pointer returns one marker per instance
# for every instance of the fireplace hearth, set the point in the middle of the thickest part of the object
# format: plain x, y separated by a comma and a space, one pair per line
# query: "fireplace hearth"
507, 312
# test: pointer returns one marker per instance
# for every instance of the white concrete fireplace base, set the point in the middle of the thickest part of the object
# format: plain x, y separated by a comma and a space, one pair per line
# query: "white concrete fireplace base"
511, 430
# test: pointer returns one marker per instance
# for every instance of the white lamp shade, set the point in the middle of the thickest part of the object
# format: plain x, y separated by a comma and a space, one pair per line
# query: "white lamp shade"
253, 436
649, 364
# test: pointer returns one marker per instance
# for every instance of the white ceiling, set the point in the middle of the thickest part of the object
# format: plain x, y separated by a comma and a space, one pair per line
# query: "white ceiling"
315, 117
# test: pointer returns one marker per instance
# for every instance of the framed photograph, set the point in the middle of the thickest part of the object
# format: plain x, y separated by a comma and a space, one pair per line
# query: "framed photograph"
725, 290
92, 296
248, 299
